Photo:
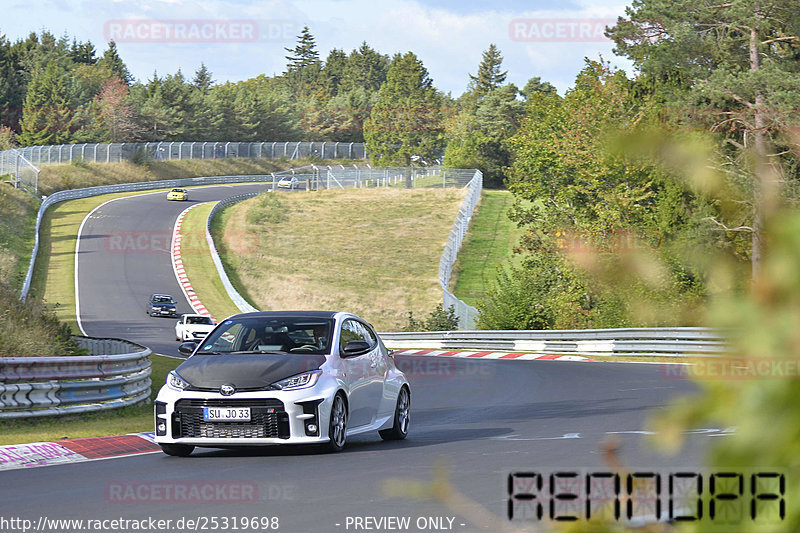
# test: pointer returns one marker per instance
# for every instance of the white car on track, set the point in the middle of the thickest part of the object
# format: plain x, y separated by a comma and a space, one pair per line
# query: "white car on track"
291, 377
288, 182
193, 327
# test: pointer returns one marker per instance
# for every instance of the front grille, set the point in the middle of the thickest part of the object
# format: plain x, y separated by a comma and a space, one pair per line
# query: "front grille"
267, 419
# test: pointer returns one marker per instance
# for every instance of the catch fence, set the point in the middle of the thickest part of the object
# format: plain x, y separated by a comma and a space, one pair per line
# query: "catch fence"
23, 164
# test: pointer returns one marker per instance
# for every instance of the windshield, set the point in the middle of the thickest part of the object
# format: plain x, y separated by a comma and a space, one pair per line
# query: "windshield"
178, 190
301, 335
199, 320
163, 300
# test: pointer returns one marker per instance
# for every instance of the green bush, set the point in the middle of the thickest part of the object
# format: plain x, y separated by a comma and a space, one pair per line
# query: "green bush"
438, 320
31, 329
268, 209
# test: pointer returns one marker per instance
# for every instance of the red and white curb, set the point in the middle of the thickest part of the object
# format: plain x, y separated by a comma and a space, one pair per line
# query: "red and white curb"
180, 272
70, 451
521, 356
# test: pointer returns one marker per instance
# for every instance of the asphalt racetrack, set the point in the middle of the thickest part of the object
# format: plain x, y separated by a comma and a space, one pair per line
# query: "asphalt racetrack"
477, 420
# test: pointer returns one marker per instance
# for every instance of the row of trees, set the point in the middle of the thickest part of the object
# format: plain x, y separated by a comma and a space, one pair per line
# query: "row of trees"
54, 91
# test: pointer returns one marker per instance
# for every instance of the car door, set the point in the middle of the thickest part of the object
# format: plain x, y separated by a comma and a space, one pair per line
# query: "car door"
363, 380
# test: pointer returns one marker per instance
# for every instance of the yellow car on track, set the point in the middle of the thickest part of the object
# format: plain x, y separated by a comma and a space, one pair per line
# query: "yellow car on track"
178, 194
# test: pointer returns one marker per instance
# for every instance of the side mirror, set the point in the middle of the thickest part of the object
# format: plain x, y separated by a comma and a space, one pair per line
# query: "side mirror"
187, 348
353, 348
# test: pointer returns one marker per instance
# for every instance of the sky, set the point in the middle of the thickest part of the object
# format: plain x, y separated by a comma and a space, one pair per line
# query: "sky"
238, 40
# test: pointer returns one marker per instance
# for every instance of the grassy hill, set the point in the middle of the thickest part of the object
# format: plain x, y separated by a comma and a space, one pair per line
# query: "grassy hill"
374, 252
25, 328
489, 245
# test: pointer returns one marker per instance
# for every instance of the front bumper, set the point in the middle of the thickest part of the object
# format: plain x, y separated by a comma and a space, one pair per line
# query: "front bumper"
195, 336
277, 417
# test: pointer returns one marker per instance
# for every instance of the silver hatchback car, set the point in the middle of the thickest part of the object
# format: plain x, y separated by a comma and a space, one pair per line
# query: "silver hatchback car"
293, 377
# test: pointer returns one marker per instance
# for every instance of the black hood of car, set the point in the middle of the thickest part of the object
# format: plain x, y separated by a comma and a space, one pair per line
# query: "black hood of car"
245, 371
163, 304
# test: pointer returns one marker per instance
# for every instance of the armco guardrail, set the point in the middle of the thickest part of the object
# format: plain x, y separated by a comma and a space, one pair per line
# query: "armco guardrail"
655, 342
117, 376
238, 300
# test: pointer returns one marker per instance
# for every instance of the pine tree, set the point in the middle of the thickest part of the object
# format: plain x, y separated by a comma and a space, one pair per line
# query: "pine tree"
305, 53
47, 111
489, 76
365, 69
11, 85
82, 52
303, 70
407, 120
202, 78
112, 60
536, 85
333, 71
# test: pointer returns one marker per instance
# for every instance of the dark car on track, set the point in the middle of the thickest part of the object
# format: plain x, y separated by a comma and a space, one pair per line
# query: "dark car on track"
162, 305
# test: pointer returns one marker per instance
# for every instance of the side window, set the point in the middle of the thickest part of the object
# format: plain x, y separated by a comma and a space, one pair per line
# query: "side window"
369, 335
351, 331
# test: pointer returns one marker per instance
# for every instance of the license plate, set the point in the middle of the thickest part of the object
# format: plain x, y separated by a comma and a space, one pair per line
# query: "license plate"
226, 413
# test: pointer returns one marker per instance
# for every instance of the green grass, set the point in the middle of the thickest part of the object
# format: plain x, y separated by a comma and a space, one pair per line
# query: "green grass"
199, 267
133, 419
374, 252
489, 244
17, 222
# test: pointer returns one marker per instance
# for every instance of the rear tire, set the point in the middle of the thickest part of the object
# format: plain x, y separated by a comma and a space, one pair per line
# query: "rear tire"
177, 450
337, 426
402, 416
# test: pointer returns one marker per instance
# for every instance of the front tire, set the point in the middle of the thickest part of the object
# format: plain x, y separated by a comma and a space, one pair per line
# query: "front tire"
402, 416
337, 427
177, 450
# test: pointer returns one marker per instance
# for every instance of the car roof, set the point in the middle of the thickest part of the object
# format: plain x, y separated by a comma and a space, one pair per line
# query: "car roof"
282, 314
154, 295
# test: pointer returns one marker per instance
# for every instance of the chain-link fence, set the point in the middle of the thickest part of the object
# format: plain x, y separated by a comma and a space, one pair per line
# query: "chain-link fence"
359, 176
13, 163
467, 315
21, 163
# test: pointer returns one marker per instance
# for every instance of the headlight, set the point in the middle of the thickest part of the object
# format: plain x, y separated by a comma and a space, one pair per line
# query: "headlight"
175, 382
300, 381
